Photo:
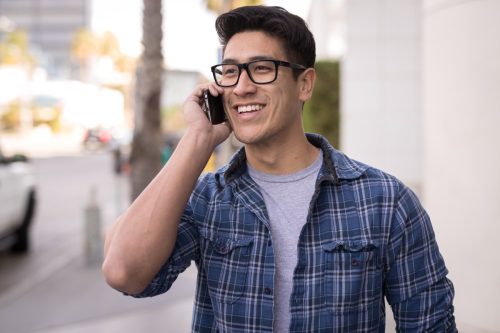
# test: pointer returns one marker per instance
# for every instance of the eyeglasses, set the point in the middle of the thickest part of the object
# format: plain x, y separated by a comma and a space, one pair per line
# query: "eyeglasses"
259, 71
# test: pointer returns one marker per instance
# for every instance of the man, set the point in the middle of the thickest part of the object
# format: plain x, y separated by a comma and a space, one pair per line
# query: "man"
292, 235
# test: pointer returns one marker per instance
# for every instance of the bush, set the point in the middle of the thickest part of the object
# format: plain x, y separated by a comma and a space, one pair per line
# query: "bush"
322, 112
10, 119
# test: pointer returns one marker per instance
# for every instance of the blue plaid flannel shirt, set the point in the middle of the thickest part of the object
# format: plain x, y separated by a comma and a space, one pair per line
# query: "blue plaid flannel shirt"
366, 237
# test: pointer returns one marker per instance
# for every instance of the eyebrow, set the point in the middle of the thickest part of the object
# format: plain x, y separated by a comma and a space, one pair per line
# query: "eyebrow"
260, 57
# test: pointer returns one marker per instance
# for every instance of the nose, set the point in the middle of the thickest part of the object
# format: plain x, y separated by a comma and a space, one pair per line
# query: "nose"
245, 86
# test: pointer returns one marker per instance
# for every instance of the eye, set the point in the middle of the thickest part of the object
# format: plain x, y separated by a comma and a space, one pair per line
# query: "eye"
263, 67
229, 70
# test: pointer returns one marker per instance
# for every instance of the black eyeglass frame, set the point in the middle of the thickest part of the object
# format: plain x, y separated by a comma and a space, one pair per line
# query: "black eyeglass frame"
245, 65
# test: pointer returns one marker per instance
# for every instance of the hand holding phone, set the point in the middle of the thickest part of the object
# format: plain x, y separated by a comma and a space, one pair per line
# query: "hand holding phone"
213, 108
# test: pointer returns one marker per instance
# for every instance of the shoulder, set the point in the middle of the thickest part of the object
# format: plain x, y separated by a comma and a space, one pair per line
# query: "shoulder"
207, 184
361, 175
372, 185
347, 169
211, 185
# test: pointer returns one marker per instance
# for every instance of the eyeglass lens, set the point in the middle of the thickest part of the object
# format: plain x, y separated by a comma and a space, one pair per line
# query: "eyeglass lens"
260, 72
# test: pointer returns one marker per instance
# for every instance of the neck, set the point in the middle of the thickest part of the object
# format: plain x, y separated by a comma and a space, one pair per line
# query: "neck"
283, 157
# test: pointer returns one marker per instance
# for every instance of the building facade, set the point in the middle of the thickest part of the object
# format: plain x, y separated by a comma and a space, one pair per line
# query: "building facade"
381, 87
420, 87
51, 26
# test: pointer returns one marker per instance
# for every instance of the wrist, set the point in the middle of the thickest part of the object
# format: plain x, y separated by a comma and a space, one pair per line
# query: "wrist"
200, 140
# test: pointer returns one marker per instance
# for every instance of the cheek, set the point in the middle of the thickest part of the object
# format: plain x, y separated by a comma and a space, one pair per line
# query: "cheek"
285, 101
279, 97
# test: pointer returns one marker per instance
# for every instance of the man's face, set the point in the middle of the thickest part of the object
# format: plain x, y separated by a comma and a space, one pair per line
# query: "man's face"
262, 112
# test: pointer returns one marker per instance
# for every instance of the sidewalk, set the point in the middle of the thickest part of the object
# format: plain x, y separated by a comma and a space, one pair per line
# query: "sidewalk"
75, 299
65, 295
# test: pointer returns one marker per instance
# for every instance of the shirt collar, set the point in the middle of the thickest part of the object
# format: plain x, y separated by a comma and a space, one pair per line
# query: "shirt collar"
336, 165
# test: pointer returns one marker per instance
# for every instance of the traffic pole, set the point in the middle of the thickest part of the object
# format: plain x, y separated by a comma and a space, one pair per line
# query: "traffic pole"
93, 244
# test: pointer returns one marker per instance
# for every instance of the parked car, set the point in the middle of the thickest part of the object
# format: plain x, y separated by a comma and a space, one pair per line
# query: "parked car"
17, 201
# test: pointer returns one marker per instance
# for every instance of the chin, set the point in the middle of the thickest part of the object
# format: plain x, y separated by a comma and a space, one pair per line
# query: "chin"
243, 139
247, 138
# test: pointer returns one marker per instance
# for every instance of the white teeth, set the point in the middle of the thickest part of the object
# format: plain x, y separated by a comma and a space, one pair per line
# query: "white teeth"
248, 108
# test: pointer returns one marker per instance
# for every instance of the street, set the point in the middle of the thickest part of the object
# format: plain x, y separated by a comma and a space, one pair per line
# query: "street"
53, 289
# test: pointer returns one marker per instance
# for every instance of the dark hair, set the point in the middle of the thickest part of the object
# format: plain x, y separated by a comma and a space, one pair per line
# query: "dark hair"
290, 29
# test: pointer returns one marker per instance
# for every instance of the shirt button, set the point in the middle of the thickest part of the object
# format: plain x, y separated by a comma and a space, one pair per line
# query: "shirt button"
268, 291
269, 242
354, 262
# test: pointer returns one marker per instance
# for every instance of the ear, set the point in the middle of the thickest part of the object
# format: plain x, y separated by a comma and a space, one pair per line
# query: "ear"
306, 82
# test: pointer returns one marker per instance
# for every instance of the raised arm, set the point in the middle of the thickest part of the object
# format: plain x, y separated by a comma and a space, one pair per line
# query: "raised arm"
142, 239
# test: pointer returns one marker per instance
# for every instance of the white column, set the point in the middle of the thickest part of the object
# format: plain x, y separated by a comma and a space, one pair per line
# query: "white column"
381, 87
462, 150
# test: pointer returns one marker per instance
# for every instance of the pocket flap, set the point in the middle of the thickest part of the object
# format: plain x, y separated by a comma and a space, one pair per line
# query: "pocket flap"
224, 244
349, 246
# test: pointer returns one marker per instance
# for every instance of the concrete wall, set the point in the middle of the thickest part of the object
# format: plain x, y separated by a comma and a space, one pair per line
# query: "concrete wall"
381, 96
421, 99
177, 85
326, 20
462, 155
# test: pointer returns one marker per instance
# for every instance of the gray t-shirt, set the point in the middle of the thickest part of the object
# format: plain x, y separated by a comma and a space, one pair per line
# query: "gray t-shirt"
287, 199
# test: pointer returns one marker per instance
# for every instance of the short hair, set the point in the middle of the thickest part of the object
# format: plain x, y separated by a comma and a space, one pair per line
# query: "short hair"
290, 29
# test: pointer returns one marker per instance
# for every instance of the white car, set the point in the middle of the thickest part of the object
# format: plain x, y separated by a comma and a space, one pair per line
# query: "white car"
17, 201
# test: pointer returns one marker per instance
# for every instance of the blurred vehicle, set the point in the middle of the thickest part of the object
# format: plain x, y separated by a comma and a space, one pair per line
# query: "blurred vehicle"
120, 146
17, 202
96, 138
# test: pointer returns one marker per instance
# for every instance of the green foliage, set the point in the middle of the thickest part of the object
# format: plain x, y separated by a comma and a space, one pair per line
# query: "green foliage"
10, 116
84, 45
322, 112
14, 49
221, 6
10, 119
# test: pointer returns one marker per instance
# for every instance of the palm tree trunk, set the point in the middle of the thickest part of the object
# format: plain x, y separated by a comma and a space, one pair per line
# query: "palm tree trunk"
147, 141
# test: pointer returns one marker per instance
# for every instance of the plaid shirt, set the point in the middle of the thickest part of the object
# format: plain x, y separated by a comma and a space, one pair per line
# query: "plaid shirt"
366, 237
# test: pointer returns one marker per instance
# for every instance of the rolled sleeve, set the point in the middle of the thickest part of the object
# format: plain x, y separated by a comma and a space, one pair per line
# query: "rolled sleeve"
416, 285
186, 249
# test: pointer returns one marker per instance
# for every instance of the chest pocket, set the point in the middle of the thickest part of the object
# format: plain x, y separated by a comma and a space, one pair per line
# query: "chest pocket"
353, 276
226, 263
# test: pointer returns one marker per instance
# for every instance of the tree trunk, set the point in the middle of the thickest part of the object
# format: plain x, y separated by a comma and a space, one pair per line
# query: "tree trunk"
147, 141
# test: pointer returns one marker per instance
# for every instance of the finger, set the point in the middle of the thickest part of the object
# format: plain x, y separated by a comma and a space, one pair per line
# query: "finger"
215, 90
197, 94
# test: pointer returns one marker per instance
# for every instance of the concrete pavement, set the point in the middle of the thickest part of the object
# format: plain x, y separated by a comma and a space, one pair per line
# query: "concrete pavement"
76, 299
53, 290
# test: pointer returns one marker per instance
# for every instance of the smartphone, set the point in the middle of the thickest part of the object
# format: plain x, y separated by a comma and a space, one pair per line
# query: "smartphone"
214, 108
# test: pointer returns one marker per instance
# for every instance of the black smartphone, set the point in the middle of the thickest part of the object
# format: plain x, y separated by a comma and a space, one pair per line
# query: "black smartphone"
213, 107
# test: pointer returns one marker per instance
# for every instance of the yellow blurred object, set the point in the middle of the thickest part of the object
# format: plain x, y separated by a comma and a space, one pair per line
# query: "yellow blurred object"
210, 167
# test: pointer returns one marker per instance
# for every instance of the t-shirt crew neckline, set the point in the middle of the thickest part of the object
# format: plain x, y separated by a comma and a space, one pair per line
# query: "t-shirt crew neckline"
289, 177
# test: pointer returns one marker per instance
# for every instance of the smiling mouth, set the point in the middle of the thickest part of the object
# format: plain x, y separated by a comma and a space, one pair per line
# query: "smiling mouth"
249, 108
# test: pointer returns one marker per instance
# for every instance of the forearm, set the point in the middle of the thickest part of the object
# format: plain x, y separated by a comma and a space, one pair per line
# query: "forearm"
142, 239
